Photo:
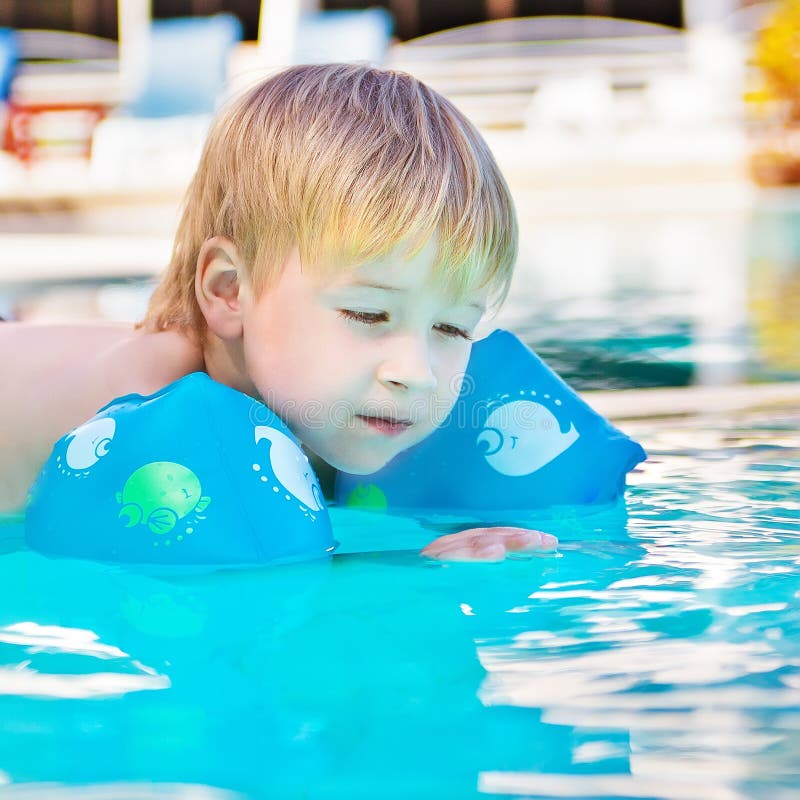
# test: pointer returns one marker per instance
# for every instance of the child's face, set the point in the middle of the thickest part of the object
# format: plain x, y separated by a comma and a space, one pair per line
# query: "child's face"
365, 365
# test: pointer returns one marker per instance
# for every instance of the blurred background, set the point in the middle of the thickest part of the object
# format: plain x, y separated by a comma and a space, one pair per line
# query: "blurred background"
652, 147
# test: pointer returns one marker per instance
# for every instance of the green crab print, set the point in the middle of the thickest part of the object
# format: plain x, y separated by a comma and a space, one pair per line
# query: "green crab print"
159, 494
367, 496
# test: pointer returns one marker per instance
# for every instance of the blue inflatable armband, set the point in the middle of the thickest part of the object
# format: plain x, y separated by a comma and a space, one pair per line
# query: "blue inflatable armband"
518, 439
197, 474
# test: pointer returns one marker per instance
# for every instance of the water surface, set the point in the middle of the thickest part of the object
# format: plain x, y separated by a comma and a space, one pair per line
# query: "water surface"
653, 657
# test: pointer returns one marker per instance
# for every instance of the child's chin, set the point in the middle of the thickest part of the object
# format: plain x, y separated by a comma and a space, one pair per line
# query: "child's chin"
365, 465
362, 468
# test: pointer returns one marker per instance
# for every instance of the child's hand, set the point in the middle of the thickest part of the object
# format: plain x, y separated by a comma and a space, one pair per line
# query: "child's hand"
488, 544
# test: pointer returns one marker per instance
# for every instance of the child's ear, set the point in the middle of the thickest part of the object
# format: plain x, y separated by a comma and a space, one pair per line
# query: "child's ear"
220, 286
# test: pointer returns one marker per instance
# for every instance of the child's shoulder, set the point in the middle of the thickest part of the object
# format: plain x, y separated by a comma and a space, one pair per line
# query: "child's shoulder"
57, 376
115, 356
149, 361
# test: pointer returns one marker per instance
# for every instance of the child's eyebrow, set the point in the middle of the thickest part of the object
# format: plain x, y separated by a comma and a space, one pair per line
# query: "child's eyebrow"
386, 288
371, 285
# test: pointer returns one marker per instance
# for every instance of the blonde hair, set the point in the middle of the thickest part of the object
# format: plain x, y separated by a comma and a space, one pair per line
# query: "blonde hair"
346, 162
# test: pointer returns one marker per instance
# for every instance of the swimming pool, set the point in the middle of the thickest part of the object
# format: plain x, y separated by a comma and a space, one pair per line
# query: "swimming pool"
657, 657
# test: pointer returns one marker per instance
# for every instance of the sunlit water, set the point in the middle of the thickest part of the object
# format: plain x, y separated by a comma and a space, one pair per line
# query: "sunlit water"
654, 658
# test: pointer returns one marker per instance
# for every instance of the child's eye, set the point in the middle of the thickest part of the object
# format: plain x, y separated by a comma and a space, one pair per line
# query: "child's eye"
365, 317
454, 331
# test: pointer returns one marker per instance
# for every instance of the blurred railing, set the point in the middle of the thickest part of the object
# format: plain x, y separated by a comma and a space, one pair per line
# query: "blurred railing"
493, 69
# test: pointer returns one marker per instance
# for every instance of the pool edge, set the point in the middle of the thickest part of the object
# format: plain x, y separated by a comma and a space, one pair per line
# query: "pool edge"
629, 404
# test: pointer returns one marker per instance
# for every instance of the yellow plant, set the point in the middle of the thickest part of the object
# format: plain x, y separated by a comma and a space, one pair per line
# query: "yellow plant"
777, 56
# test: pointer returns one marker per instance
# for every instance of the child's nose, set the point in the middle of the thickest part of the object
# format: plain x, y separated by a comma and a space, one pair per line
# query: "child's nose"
407, 364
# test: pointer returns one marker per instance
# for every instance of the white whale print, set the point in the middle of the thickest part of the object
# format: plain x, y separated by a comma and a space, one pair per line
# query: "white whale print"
522, 436
291, 467
87, 444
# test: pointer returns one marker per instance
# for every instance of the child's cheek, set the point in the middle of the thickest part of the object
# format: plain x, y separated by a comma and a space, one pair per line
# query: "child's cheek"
453, 369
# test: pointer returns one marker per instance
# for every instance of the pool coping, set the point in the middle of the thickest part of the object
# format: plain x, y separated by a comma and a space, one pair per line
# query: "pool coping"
630, 404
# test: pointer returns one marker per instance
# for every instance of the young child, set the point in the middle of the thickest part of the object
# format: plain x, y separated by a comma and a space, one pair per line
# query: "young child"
345, 232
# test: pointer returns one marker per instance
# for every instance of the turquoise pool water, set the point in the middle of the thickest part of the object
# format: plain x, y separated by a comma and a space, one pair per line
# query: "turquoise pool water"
657, 657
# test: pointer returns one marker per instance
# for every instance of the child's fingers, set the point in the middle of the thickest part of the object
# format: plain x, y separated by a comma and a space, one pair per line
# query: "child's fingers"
504, 531
486, 547
485, 553
521, 540
488, 544
515, 538
472, 540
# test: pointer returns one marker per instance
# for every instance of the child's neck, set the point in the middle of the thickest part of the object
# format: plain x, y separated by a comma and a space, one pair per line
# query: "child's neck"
224, 362
326, 474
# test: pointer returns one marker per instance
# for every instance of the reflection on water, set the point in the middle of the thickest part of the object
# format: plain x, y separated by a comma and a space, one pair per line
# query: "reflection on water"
679, 653
775, 288
659, 657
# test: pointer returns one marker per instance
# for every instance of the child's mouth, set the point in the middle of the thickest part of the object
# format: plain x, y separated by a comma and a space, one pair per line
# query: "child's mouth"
387, 425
